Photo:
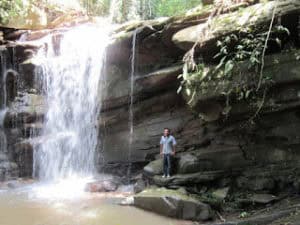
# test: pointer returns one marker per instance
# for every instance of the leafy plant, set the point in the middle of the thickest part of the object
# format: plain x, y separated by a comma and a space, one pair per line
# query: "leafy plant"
238, 53
173, 7
245, 45
10, 9
96, 7
243, 215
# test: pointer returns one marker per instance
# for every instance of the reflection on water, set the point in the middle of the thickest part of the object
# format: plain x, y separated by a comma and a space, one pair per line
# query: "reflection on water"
22, 207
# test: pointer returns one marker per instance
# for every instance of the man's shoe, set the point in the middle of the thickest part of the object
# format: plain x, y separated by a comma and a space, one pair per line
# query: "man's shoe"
168, 176
163, 176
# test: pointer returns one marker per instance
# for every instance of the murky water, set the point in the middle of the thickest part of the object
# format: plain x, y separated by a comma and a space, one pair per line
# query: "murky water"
22, 207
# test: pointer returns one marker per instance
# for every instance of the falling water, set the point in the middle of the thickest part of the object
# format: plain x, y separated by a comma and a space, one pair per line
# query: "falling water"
3, 96
3, 100
3, 139
71, 76
131, 116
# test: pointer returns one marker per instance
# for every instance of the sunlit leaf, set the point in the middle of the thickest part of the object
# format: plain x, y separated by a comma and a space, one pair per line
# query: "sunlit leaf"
248, 92
228, 67
188, 92
278, 41
221, 63
179, 89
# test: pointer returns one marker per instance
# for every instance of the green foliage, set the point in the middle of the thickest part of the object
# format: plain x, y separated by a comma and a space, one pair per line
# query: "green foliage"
24, 11
173, 7
145, 9
297, 56
125, 9
10, 9
190, 80
96, 7
244, 215
247, 44
238, 53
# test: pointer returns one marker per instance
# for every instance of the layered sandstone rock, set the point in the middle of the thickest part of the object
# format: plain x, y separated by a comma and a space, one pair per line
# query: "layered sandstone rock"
214, 149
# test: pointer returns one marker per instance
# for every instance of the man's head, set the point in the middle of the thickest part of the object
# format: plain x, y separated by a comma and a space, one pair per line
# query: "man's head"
166, 131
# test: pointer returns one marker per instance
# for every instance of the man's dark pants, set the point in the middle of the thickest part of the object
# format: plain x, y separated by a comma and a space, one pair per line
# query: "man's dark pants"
167, 164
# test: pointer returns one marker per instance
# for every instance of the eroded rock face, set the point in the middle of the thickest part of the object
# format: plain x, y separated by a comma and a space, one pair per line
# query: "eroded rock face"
212, 147
8, 170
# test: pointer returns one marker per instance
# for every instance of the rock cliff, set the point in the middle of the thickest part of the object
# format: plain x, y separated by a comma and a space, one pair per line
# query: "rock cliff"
252, 146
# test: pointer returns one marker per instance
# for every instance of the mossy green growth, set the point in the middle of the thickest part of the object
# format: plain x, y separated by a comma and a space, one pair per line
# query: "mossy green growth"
244, 16
209, 199
203, 11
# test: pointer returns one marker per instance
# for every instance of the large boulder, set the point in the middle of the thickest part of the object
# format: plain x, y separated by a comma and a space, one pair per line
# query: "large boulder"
190, 178
263, 198
221, 25
189, 163
139, 186
256, 184
155, 167
117, 85
173, 203
205, 159
159, 79
101, 186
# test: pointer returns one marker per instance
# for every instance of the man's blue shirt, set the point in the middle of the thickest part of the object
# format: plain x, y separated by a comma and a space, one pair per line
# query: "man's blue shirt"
168, 142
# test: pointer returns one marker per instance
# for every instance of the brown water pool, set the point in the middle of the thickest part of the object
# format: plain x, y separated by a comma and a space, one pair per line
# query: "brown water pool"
22, 207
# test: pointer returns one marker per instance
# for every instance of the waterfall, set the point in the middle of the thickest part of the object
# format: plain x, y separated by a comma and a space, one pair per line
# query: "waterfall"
3, 97
131, 116
71, 78
3, 139
4, 60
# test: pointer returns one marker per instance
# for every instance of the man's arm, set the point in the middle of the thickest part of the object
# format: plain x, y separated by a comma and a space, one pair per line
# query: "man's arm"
174, 151
161, 145
173, 146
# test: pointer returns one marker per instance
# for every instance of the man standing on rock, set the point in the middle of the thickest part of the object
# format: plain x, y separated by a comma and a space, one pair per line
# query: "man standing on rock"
167, 149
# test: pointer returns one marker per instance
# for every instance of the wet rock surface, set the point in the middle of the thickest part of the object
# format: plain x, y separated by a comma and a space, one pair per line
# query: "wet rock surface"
101, 186
173, 204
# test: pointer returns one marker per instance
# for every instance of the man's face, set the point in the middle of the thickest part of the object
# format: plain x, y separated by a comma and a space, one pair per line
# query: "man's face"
166, 132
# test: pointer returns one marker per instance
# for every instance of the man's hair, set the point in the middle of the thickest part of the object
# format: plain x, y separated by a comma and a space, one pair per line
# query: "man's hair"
167, 129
